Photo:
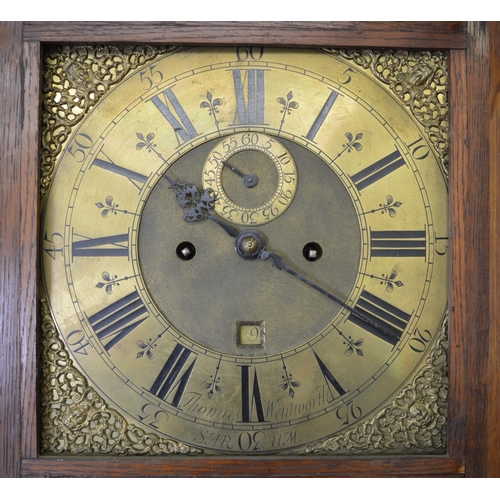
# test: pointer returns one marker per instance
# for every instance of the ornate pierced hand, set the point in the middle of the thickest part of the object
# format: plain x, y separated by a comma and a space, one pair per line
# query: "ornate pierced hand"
197, 205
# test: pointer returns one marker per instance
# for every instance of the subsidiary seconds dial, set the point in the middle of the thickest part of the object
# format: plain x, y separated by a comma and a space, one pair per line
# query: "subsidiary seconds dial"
265, 193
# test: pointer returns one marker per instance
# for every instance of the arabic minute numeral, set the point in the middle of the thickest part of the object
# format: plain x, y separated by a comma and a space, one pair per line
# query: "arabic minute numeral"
349, 413
55, 243
420, 151
77, 342
149, 77
419, 340
84, 143
244, 53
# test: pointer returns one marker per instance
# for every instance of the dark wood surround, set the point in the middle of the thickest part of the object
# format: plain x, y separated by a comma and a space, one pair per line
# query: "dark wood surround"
474, 351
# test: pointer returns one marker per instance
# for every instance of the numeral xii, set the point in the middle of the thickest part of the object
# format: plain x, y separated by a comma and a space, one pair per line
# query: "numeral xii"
249, 110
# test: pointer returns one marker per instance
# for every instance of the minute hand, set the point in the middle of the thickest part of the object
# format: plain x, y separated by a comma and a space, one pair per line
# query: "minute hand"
282, 266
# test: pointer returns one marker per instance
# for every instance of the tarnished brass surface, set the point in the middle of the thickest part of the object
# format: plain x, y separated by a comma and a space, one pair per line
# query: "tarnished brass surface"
167, 340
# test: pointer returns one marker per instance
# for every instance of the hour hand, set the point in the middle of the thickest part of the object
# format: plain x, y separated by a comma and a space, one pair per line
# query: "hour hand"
197, 205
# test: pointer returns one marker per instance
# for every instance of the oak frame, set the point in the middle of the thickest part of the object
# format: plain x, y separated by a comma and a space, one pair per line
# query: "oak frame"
474, 435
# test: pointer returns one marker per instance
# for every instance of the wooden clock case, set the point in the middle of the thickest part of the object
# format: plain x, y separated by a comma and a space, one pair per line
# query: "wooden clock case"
474, 347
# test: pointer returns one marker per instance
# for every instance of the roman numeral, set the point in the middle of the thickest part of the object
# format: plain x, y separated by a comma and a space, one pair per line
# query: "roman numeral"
331, 381
181, 124
106, 246
135, 178
171, 378
389, 320
397, 243
116, 321
318, 123
251, 110
378, 170
250, 396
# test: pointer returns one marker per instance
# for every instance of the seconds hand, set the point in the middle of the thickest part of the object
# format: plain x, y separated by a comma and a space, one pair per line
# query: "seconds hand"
250, 180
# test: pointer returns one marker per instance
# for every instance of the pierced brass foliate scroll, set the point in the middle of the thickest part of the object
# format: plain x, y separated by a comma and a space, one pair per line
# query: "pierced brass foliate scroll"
326, 334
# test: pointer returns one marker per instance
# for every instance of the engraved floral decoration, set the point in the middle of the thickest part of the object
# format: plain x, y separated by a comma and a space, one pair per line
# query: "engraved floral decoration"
288, 106
353, 346
419, 80
213, 384
146, 142
110, 281
288, 382
146, 348
75, 78
110, 207
213, 107
75, 419
353, 142
388, 280
388, 208
415, 419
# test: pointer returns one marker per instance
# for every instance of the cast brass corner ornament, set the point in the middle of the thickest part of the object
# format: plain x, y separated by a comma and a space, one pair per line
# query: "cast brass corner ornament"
416, 418
75, 418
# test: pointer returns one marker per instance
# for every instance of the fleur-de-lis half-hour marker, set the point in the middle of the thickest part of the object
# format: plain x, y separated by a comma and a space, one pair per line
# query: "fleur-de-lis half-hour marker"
110, 282
147, 347
109, 207
288, 383
288, 106
145, 142
352, 143
353, 345
212, 105
389, 207
212, 384
389, 281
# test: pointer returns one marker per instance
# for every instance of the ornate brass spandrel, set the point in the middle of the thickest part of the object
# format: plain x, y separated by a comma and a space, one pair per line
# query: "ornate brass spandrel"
415, 419
419, 80
75, 419
74, 80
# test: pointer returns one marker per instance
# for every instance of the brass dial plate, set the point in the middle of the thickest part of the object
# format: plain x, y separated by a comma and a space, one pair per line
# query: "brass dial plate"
169, 341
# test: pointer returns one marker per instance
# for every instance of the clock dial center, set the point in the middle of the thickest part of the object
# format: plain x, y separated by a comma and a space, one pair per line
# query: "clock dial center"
226, 283
249, 244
